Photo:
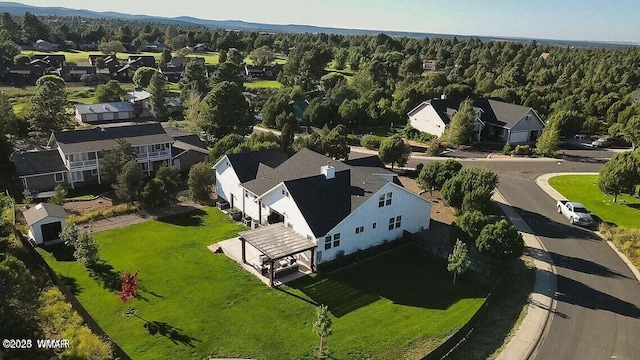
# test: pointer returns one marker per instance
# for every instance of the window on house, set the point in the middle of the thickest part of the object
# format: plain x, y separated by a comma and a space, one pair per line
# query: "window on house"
94, 172
336, 240
381, 201
77, 176
158, 147
398, 221
58, 177
359, 229
389, 198
392, 222
373, 226
327, 242
246, 194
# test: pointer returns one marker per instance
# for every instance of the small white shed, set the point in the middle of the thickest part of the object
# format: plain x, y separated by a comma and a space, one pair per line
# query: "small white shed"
45, 221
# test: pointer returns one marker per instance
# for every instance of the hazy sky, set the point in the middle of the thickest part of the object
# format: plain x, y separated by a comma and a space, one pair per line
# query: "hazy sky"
612, 20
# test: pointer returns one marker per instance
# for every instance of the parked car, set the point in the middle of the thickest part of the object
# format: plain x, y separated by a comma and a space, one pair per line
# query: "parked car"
604, 141
575, 212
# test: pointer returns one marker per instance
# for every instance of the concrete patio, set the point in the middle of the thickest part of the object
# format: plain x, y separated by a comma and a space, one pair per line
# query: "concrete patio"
233, 249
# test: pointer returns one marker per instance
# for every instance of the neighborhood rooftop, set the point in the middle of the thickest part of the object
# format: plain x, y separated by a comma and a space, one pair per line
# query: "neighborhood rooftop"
104, 108
104, 138
246, 164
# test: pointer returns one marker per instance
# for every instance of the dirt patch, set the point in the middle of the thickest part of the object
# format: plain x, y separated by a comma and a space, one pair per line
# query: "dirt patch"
439, 211
79, 207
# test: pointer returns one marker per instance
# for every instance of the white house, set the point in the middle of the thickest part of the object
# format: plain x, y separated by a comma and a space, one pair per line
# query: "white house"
45, 221
495, 120
335, 206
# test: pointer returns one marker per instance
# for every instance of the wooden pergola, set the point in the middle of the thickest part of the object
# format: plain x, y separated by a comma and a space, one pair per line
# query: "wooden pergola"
276, 242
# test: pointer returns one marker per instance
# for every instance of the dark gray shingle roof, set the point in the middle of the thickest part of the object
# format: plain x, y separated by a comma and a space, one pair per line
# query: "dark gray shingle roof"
104, 138
38, 162
494, 112
323, 202
246, 164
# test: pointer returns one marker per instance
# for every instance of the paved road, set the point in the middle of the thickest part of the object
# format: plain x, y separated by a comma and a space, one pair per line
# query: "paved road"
597, 314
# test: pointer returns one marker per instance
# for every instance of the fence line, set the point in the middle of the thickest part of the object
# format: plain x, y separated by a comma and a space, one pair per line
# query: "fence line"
71, 298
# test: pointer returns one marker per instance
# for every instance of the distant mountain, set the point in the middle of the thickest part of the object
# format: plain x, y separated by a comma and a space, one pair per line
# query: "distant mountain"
15, 8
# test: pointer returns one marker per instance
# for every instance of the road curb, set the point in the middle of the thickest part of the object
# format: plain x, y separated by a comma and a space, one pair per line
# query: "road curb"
543, 183
542, 303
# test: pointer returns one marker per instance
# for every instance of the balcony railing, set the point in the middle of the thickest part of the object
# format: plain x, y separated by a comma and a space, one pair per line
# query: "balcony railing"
154, 154
82, 164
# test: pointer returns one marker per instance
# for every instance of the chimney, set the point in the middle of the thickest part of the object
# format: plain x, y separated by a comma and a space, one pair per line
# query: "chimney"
328, 171
443, 96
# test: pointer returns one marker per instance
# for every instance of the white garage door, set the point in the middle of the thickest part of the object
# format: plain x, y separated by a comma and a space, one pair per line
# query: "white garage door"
123, 115
107, 116
92, 117
519, 136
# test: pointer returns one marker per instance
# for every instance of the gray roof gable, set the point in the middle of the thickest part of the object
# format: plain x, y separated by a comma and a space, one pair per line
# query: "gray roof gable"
38, 162
42, 211
246, 164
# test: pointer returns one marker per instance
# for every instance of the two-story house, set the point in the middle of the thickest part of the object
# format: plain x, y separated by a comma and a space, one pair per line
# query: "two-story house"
73, 158
339, 207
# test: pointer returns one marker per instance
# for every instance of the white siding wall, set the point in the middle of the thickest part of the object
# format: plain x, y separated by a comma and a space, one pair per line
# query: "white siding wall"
415, 213
35, 231
534, 124
227, 184
250, 205
286, 206
427, 120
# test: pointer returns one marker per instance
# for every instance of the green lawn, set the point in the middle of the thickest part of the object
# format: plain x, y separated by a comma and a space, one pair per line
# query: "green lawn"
272, 84
584, 189
202, 304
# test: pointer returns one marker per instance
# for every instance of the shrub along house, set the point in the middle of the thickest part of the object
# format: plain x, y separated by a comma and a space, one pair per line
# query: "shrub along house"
314, 208
73, 157
495, 120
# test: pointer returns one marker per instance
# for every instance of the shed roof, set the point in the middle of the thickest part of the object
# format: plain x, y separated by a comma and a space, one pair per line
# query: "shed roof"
42, 211
277, 241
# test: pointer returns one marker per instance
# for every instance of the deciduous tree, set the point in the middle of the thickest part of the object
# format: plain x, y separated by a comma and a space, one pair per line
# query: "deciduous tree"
620, 175
109, 92
142, 76
201, 181
85, 250
394, 150
500, 242
322, 327
224, 111
549, 142
465, 182
48, 109
458, 260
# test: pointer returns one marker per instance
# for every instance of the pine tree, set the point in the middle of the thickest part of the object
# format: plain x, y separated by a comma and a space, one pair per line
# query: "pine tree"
459, 131
159, 92
48, 110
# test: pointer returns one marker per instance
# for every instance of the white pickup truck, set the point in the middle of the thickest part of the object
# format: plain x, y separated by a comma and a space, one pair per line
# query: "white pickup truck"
575, 212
